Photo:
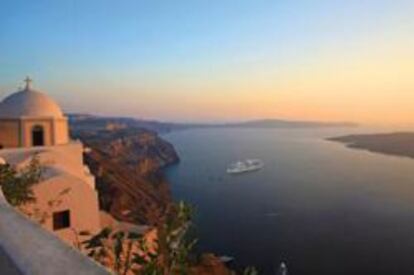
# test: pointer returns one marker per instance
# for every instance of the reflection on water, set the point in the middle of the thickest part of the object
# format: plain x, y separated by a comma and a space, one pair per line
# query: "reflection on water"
317, 206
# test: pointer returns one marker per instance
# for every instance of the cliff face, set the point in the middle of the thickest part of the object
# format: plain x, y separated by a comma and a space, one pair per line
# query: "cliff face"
127, 165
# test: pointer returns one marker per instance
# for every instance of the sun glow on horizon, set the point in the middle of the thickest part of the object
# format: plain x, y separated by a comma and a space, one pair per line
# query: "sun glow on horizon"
330, 61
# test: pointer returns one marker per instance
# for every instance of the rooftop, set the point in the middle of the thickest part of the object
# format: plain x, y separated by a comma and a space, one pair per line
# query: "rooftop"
29, 103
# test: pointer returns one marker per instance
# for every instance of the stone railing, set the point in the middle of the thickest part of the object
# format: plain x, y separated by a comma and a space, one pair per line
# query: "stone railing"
27, 249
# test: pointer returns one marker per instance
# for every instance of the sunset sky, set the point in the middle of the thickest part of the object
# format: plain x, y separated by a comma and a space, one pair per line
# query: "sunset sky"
216, 60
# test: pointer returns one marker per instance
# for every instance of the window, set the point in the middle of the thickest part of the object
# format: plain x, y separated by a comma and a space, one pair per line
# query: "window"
38, 138
61, 220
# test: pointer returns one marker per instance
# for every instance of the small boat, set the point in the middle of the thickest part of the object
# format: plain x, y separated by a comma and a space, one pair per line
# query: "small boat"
282, 269
226, 259
248, 165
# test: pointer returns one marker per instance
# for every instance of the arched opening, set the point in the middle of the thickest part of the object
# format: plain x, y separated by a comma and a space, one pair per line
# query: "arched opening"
38, 136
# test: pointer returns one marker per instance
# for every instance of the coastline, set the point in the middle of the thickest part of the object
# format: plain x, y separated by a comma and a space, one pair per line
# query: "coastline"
399, 144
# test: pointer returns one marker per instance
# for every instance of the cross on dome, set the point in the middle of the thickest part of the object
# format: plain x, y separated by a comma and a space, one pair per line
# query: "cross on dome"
28, 81
27, 102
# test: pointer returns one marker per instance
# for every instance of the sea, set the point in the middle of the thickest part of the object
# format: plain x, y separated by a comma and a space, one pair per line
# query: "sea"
316, 205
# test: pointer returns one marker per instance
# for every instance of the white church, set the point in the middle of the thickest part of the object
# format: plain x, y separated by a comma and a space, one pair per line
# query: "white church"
32, 124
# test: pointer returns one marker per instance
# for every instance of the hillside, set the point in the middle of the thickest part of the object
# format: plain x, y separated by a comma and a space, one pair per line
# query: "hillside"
90, 122
277, 123
127, 164
397, 144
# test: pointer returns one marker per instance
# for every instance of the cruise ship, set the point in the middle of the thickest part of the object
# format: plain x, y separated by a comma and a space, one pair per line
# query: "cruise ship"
248, 165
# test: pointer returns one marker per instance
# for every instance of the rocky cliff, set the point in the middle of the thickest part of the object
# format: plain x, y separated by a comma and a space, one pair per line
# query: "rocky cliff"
127, 165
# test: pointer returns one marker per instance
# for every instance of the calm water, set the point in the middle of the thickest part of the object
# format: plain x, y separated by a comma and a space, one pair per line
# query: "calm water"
318, 206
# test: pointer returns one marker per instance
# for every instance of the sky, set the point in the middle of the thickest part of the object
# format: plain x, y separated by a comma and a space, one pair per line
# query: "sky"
215, 60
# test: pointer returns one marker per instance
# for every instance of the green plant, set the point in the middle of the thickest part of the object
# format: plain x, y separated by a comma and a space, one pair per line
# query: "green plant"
17, 185
174, 243
128, 252
113, 249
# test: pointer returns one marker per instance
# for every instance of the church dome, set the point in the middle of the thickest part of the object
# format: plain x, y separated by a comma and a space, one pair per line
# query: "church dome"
29, 103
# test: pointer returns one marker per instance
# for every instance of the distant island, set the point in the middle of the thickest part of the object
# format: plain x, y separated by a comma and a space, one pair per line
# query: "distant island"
87, 121
396, 144
278, 123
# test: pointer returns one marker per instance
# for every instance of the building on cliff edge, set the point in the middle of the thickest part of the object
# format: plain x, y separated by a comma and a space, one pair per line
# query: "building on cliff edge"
32, 124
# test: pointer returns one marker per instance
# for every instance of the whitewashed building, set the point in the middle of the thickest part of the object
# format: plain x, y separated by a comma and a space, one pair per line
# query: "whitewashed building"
32, 124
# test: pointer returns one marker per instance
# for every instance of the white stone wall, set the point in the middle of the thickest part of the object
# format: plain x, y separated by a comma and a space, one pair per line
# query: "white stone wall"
30, 250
